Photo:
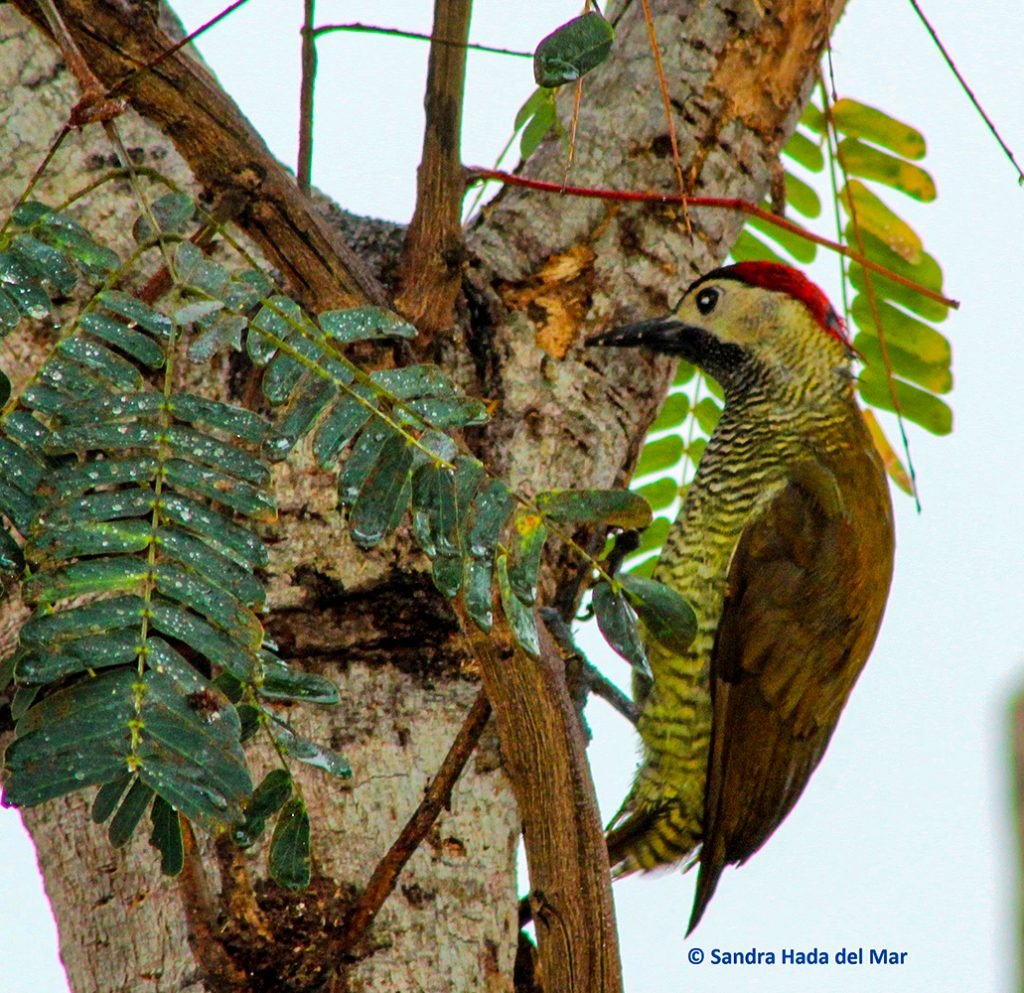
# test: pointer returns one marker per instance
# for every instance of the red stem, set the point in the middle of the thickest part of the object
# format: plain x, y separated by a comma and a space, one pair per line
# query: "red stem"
473, 173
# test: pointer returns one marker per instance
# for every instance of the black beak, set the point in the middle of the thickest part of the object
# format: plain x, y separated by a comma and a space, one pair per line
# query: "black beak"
661, 334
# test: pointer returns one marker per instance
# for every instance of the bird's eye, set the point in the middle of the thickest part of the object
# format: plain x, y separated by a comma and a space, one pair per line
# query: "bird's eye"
707, 300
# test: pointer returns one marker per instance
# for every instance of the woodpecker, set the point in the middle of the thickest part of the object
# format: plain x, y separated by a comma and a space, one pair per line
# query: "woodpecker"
784, 549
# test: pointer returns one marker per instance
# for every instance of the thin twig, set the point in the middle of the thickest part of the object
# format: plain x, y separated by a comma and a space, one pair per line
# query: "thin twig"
601, 686
227, 155
95, 104
577, 102
437, 795
304, 169
416, 36
473, 173
667, 102
167, 52
970, 93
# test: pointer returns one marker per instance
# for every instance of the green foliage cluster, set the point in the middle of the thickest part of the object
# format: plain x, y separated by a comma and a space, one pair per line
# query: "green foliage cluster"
903, 353
135, 517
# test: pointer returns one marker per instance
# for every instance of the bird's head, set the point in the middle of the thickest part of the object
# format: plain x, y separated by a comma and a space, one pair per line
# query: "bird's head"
749, 322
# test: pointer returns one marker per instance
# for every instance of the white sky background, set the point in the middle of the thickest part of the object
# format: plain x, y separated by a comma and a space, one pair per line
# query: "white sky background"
903, 838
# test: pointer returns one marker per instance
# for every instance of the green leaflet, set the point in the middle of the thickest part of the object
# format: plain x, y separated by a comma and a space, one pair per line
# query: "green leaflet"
572, 50
486, 519
107, 798
54, 541
348, 416
902, 331
916, 405
618, 625
659, 455
23, 289
478, 592
45, 263
384, 493
267, 799
362, 324
10, 315
309, 752
222, 488
194, 269
530, 532
445, 412
166, 837
413, 381
858, 120
536, 118
22, 468
305, 407
936, 377
674, 412
660, 494
199, 557
121, 574
362, 459
618, 508
666, 615
435, 516
869, 163
198, 634
47, 630
520, 617
800, 249
139, 346
747, 248
77, 479
707, 411
289, 847
214, 415
126, 820
137, 312
875, 218
804, 200
216, 530
807, 153
281, 683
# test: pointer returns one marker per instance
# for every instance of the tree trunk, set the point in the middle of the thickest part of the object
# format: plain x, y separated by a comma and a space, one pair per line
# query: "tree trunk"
543, 273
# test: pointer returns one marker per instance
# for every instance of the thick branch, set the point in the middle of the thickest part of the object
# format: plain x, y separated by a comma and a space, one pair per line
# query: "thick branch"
544, 756
227, 155
432, 257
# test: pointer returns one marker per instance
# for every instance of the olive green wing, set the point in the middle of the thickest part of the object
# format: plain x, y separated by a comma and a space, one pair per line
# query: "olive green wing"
806, 590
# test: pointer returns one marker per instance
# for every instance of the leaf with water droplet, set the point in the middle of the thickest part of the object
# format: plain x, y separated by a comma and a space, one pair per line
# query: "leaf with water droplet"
384, 494
289, 847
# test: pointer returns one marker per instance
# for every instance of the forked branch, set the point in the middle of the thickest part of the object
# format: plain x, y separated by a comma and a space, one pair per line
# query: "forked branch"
431, 269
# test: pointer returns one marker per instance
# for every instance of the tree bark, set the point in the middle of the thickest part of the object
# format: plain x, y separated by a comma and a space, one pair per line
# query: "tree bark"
542, 274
